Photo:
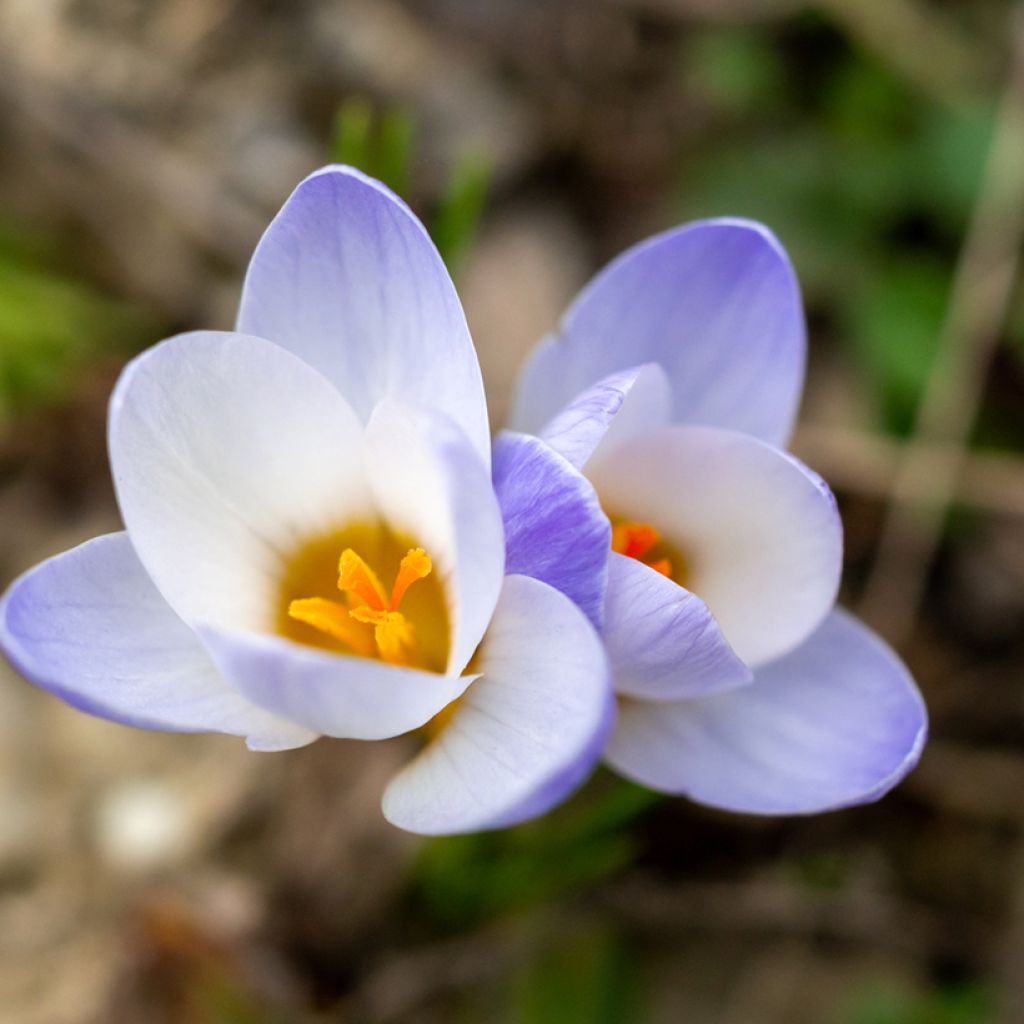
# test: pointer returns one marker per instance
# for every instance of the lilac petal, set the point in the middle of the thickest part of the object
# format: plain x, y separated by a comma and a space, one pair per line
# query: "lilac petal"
662, 641
619, 406
760, 533
555, 530
90, 627
837, 722
429, 482
715, 303
347, 279
338, 695
229, 452
525, 734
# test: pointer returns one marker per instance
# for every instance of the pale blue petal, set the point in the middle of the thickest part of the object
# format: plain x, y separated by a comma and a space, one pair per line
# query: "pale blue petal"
90, 627
619, 406
555, 530
715, 303
347, 279
662, 641
525, 734
837, 722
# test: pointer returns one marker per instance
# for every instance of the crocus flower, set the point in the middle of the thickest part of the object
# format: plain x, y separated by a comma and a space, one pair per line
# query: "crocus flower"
673, 383
313, 544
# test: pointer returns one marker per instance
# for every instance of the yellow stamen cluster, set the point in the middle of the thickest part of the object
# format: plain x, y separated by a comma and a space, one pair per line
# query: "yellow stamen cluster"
392, 637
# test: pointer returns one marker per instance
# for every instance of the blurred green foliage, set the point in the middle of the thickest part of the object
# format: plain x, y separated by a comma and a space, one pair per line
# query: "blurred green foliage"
384, 145
52, 326
465, 879
966, 1004
587, 977
868, 181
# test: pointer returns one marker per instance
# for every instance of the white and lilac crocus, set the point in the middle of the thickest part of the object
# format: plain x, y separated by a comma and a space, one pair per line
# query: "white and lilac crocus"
313, 544
673, 384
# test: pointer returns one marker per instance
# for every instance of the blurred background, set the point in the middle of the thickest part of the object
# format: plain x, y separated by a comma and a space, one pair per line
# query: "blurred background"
144, 145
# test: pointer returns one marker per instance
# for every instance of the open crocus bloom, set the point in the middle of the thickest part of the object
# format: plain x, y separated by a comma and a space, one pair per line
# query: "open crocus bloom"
673, 384
313, 544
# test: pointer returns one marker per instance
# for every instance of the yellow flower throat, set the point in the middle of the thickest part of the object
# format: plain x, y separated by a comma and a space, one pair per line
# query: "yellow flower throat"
404, 626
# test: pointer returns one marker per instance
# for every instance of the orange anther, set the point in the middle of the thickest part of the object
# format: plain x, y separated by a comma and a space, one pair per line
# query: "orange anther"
356, 579
414, 566
634, 540
334, 620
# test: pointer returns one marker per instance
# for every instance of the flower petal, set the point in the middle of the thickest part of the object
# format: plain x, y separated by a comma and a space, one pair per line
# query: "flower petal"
555, 530
525, 734
429, 481
630, 402
89, 626
715, 303
338, 695
837, 722
760, 532
347, 279
227, 452
662, 641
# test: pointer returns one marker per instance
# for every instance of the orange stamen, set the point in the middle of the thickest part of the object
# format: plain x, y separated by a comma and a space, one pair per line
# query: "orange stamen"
662, 565
634, 540
334, 620
391, 631
415, 565
357, 580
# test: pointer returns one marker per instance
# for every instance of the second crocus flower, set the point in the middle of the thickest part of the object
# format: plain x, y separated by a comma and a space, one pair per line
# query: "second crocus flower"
673, 384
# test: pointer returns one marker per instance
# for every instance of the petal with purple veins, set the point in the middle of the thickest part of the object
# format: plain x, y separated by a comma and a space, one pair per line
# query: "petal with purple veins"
662, 641
555, 530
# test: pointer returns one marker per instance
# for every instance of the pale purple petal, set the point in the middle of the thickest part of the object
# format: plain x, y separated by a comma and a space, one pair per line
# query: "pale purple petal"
759, 532
525, 734
228, 453
429, 482
90, 627
338, 695
347, 279
555, 530
619, 406
662, 641
715, 303
837, 722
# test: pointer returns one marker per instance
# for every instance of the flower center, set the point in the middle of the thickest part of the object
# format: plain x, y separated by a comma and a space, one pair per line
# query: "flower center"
332, 597
645, 543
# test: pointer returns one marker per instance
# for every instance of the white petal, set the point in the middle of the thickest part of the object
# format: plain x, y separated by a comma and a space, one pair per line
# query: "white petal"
90, 627
525, 734
429, 482
227, 453
335, 694
760, 532
347, 278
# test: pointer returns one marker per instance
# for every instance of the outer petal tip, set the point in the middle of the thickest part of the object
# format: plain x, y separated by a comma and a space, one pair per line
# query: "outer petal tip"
837, 722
